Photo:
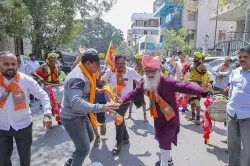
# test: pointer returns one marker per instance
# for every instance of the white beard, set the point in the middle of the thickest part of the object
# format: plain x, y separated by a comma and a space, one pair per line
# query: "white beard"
152, 84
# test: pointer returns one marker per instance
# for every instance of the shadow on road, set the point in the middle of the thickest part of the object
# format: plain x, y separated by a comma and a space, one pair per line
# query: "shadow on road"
125, 158
141, 125
218, 152
52, 135
193, 127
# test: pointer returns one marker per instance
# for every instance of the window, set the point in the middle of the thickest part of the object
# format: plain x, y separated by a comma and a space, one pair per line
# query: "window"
142, 46
191, 17
145, 32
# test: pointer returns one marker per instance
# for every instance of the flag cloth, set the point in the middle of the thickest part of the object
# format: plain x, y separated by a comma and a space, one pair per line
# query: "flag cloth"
110, 56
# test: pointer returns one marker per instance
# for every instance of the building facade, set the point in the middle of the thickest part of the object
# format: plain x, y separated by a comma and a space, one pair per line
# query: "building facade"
15, 45
193, 16
238, 12
143, 24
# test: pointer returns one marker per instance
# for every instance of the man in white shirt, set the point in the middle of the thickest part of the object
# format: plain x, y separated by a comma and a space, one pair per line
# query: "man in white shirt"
238, 110
121, 78
184, 60
15, 114
32, 64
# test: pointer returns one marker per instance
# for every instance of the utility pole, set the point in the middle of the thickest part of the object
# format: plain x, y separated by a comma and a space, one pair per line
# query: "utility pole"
216, 23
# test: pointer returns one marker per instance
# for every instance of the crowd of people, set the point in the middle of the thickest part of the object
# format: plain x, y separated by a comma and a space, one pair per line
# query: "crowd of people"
84, 103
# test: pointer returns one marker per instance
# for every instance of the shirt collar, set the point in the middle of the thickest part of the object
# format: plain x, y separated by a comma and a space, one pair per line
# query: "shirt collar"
244, 71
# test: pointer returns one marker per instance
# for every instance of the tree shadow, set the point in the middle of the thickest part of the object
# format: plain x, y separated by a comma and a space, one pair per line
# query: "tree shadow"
125, 158
218, 152
145, 127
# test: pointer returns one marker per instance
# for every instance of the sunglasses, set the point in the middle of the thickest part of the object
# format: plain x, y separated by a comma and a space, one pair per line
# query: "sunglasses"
150, 71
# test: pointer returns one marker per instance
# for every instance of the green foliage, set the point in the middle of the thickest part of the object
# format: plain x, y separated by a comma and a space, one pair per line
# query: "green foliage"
97, 34
126, 51
14, 18
187, 49
176, 39
48, 23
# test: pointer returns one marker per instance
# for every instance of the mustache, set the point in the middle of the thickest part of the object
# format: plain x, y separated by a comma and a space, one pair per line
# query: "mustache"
10, 70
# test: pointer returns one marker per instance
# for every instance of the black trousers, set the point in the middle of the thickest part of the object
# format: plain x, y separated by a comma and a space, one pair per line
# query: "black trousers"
23, 140
121, 131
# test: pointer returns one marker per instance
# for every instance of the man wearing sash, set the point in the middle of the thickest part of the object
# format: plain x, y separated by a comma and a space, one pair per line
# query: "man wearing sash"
197, 73
15, 114
222, 76
49, 72
78, 102
163, 106
121, 78
139, 100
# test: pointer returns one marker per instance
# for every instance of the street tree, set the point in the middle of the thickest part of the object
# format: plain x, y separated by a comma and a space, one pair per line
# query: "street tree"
176, 39
47, 23
123, 49
96, 33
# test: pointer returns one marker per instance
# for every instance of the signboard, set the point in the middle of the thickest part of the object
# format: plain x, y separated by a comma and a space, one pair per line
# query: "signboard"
150, 46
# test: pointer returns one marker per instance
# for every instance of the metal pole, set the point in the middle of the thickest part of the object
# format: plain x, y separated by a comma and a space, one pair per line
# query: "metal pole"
216, 23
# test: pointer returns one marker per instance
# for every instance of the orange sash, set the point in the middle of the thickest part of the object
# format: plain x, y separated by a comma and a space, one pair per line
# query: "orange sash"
222, 69
18, 96
120, 82
92, 80
165, 108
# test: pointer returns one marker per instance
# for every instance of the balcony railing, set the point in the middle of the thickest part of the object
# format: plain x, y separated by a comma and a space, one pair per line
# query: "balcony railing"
227, 36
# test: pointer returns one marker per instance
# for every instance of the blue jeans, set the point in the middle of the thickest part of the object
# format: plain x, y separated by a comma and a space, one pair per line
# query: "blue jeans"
238, 134
81, 132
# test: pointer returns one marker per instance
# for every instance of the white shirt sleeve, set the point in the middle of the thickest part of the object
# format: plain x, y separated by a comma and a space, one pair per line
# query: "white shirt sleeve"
35, 89
136, 76
107, 75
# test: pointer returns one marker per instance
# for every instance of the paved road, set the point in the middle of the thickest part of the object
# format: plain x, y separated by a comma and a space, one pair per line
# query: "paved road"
52, 147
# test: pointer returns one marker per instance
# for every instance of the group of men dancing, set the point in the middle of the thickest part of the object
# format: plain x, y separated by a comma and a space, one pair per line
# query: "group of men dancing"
79, 106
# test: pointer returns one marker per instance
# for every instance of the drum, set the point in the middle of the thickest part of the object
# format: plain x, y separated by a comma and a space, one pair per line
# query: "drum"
55, 95
218, 109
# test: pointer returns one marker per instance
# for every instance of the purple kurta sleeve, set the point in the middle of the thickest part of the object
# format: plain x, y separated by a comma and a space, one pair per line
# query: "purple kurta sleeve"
187, 88
132, 95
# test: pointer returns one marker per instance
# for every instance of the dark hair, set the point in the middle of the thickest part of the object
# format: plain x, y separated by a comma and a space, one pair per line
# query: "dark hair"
31, 55
247, 49
120, 57
17, 55
90, 55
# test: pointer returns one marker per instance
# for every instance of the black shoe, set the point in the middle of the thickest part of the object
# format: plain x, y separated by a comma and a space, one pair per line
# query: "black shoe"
117, 149
158, 163
170, 162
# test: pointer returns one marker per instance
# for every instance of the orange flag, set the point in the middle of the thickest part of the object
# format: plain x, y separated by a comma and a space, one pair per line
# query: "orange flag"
110, 56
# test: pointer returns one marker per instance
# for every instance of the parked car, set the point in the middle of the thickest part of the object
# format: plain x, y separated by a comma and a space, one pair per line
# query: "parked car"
215, 64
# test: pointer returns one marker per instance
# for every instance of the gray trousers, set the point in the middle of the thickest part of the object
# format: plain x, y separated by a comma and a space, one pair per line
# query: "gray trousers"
23, 140
238, 134
81, 132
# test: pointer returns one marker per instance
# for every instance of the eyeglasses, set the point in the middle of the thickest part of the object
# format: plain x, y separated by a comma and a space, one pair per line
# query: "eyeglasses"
150, 71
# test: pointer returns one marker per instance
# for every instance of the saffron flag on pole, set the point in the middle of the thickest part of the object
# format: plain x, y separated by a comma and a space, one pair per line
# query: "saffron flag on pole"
110, 57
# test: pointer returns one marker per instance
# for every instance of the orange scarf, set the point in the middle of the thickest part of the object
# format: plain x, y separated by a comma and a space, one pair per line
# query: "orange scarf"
92, 80
120, 82
18, 96
222, 69
165, 108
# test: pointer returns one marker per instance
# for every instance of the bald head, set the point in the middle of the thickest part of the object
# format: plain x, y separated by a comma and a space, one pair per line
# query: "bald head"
8, 64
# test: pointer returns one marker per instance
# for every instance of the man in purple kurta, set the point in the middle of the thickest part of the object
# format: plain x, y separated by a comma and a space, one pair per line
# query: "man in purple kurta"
165, 130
